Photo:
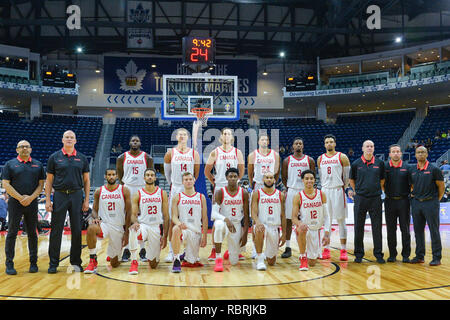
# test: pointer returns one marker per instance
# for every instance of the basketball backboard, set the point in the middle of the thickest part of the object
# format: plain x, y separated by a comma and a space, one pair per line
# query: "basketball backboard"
182, 93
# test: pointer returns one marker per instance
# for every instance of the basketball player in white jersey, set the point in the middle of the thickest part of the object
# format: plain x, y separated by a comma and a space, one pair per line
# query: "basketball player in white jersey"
309, 215
230, 208
221, 159
262, 160
190, 219
130, 169
111, 214
177, 161
150, 210
334, 170
268, 215
291, 171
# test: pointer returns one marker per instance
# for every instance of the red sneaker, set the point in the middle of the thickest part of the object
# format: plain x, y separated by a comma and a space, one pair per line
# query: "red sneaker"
134, 267
219, 265
198, 264
108, 258
226, 255
241, 257
92, 267
212, 256
303, 264
343, 255
186, 264
326, 254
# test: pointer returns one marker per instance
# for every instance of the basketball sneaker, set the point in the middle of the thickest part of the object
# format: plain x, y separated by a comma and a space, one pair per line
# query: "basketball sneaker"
134, 267
142, 255
108, 258
92, 266
343, 256
212, 256
326, 254
169, 257
287, 253
176, 266
260, 265
303, 264
219, 265
126, 255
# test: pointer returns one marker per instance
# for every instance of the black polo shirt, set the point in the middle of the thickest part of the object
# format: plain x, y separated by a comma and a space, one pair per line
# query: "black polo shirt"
424, 181
367, 176
67, 169
396, 180
24, 176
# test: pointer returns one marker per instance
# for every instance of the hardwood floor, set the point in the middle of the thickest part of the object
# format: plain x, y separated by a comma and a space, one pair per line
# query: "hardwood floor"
329, 279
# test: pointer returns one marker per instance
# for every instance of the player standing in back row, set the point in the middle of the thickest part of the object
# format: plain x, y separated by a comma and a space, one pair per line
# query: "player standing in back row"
334, 170
177, 161
130, 167
221, 159
291, 172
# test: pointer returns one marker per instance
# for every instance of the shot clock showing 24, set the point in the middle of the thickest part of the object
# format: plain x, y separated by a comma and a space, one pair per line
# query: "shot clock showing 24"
198, 50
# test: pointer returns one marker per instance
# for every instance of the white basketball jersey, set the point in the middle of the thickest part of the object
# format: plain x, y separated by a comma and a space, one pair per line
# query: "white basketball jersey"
181, 162
311, 210
224, 161
331, 171
295, 169
263, 164
232, 207
111, 206
133, 169
269, 207
190, 211
150, 207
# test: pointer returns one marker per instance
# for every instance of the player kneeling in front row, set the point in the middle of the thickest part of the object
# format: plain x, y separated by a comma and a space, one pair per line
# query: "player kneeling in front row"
150, 210
268, 215
110, 219
190, 219
310, 203
230, 208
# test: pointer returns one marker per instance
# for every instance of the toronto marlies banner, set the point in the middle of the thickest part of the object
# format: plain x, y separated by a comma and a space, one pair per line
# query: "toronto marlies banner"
128, 75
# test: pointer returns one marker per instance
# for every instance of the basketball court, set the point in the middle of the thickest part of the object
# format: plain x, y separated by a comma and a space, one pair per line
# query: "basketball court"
289, 79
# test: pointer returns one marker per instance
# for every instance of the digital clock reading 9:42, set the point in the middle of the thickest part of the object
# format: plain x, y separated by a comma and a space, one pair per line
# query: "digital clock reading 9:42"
198, 50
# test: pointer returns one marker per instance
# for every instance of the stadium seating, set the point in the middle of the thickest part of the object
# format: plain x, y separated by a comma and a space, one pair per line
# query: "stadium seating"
45, 134
437, 119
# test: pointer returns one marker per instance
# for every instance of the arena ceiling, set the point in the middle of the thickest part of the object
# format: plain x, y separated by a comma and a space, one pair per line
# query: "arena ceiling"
304, 29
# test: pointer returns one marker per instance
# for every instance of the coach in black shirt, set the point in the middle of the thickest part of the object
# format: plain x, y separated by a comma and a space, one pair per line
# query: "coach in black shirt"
366, 178
23, 179
68, 175
428, 188
396, 205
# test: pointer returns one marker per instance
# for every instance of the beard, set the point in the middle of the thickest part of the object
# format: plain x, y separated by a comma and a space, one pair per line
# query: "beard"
268, 186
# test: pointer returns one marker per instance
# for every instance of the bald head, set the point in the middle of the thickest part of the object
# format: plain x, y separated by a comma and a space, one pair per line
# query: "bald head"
23, 143
421, 154
69, 139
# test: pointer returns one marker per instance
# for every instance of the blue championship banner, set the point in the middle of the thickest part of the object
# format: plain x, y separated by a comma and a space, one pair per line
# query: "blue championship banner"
143, 75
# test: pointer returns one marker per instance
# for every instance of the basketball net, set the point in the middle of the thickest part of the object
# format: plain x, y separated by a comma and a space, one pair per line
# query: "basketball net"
202, 115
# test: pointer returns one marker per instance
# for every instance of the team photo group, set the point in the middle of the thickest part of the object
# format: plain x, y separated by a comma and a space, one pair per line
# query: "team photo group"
140, 219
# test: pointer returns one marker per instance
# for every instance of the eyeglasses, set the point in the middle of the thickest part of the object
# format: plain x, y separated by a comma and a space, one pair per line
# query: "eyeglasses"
24, 147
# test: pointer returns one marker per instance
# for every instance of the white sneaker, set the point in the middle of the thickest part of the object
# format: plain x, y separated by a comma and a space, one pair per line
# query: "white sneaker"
169, 257
254, 254
260, 265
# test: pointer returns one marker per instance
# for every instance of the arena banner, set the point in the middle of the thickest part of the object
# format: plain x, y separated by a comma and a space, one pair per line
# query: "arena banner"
375, 88
139, 12
143, 75
38, 88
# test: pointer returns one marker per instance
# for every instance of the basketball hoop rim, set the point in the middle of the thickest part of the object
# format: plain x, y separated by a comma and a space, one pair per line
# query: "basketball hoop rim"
201, 112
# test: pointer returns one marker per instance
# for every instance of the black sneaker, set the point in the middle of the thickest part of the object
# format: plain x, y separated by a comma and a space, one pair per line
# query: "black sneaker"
126, 255
380, 260
406, 260
52, 269
391, 259
176, 266
142, 255
358, 260
10, 270
287, 253
434, 263
33, 268
417, 260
